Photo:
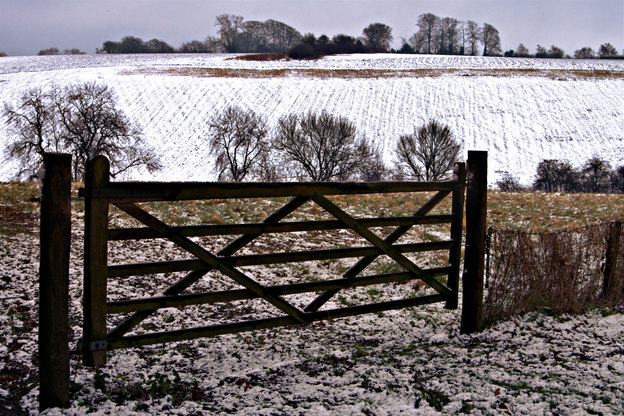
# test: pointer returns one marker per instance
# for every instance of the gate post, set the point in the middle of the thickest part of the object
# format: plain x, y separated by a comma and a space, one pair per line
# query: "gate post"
457, 212
55, 236
474, 255
95, 263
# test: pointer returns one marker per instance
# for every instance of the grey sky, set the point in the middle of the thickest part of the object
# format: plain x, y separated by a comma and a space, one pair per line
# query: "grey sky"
27, 26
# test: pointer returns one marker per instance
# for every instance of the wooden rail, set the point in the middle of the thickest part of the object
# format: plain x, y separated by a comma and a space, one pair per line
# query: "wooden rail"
100, 193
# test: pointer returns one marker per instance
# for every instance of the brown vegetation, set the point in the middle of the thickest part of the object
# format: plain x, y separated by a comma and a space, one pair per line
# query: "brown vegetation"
562, 272
555, 74
261, 57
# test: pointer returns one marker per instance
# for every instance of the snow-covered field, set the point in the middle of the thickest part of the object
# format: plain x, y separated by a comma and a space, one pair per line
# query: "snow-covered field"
519, 119
407, 362
412, 361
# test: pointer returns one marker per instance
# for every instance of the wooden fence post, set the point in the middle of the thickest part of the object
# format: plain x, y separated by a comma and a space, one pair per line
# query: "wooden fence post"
95, 264
55, 235
474, 255
611, 261
459, 175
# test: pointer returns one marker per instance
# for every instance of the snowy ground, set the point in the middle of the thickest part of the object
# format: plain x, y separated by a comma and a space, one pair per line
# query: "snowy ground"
412, 361
519, 119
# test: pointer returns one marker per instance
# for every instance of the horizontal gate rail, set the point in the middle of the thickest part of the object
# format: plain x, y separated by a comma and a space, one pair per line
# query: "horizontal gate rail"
294, 226
237, 327
159, 302
100, 193
127, 192
126, 270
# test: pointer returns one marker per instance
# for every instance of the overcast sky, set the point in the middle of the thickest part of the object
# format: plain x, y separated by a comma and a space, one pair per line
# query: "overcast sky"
28, 26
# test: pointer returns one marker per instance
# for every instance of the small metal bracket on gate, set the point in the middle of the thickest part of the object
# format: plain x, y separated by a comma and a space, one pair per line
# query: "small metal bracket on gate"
92, 346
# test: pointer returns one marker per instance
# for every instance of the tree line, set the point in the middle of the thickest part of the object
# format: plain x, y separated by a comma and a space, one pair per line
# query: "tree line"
322, 147
84, 120
235, 35
450, 36
595, 176
605, 51
375, 38
435, 35
56, 51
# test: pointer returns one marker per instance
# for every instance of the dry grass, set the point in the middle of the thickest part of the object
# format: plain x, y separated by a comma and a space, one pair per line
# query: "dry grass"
545, 212
548, 251
555, 74
528, 211
261, 57
17, 213
559, 271
551, 255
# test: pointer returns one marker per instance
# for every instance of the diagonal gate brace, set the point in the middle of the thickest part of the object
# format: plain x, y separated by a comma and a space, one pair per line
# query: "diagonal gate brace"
364, 262
379, 243
192, 277
210, 259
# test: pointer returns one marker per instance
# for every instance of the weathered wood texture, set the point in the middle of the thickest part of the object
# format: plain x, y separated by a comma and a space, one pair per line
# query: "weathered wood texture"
55, 235
457, 215
129, 192
95, 262
474, 255
100, 193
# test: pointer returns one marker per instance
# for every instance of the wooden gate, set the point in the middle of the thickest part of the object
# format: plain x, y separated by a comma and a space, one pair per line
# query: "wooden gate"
100, 193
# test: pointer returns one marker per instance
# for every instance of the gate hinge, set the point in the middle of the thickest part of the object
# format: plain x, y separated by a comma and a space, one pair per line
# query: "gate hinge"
92, 346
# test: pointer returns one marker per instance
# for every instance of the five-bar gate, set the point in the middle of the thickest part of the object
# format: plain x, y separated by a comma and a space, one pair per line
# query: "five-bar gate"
100, 194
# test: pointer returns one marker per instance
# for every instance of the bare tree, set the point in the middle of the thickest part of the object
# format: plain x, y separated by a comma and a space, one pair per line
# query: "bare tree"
617, 180
427, 24
321, 147
92, 125
522, 51
266, 170
417, 43
82, 120
556, 176
238, 140
509, 183
229, 29
491, 40
584, 53
33, 124
280, 37
541, 52
607, 50
195, 46
473, 36
555, 52
429, 153
73, 51
49, 51
378, 37
448, 35
374, 170
158, 46
596, 173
